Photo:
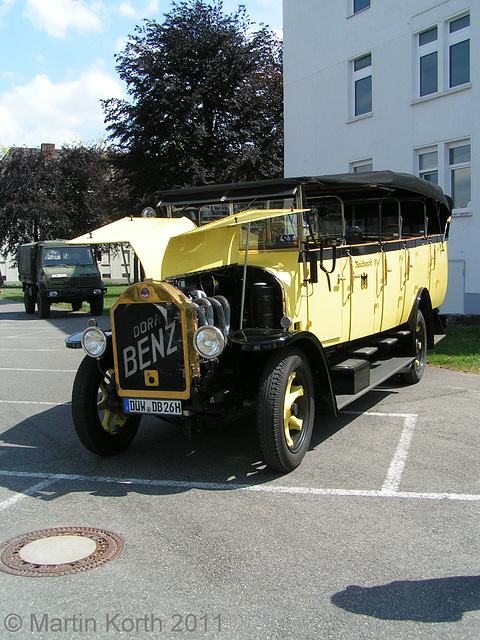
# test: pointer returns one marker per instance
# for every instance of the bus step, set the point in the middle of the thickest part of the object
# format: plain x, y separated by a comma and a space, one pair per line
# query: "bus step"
351, 376
386, 344
364, 352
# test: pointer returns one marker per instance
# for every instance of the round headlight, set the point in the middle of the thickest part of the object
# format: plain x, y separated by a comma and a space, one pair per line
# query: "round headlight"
209, 341
94, 342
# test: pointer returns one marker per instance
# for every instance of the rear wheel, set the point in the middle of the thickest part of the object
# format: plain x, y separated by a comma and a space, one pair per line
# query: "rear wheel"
43, 305
29, 301
417, 367
286, 410
99, 421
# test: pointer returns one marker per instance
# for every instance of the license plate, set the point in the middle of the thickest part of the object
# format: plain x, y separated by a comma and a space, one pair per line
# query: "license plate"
157, 407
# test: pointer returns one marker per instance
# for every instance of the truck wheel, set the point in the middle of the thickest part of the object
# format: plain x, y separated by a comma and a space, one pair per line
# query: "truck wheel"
43, 305
96, 306
99, 421
286, 409
29, 301
76, 305
417, 367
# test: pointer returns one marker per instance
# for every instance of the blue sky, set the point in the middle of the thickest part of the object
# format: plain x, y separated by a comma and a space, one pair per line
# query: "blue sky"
57, 62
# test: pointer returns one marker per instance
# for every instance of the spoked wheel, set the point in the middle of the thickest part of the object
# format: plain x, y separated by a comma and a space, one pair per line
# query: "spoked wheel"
286, 410
99, 421
418, 365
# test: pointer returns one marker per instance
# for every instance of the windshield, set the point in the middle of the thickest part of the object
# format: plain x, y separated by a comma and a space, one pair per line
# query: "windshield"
56, 256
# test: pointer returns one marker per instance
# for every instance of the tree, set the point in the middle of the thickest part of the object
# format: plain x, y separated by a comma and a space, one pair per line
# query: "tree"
46, 196
206, 100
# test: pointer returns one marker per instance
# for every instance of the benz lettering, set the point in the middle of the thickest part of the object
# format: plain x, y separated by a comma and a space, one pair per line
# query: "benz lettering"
148, 349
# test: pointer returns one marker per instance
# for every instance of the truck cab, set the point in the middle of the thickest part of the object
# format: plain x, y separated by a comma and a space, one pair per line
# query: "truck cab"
53, 271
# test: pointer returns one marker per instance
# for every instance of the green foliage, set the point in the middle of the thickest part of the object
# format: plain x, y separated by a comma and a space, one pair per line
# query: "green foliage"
45, 196
206, 101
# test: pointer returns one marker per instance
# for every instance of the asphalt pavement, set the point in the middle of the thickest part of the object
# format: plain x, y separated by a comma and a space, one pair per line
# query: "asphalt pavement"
375, 535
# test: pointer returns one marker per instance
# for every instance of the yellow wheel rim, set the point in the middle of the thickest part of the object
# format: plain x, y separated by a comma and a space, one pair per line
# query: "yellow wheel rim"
293, 409
111, 419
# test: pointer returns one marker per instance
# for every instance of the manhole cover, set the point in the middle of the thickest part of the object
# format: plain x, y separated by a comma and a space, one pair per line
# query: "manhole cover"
59, 551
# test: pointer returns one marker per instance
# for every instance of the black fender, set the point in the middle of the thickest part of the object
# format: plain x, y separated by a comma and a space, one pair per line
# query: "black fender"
314, 352
423, 303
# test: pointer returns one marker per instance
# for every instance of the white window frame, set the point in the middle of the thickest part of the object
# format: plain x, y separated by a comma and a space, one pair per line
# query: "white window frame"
356, 76
424, 50
351, 8
428, 171
442, 47
452, 39
361, 165
451, 167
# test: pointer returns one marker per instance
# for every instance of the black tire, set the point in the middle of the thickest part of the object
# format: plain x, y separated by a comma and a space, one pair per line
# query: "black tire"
417, 367
43, 305
29, 301
76, 305
286, 410
96, 306
102, 429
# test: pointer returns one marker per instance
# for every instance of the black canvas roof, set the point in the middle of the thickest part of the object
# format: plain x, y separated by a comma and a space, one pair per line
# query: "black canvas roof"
398, 184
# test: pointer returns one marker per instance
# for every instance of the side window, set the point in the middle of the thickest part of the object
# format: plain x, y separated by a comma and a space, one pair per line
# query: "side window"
326, 219
273, 233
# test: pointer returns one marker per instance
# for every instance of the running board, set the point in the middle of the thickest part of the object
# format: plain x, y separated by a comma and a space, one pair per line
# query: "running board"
379, 372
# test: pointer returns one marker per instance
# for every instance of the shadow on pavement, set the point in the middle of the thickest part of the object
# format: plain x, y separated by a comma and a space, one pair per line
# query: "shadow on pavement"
436, 600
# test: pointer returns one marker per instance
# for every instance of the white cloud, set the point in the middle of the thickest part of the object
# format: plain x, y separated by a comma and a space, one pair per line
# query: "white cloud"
127, 10
42, 111
56, 17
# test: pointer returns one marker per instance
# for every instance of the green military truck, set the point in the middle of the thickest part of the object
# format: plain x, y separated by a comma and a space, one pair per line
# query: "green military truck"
54, 271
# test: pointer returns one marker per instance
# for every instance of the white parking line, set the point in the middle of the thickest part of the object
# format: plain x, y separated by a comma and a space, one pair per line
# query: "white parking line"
390, 487
30, 370
50, 478
397, 465
26, 492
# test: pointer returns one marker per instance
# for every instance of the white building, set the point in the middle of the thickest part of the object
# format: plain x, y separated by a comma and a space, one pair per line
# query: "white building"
391, 85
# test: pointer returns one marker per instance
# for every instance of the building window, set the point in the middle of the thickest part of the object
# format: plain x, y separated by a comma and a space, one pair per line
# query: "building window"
428, 165
362, 85
427, 43
460, 172
459, 51
362, 166
360, 5
443, 56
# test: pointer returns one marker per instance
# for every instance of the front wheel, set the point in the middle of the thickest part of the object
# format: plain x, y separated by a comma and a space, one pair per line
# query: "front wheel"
99, 421
43, 305
76, 305
286, 409
417, 367
96, 306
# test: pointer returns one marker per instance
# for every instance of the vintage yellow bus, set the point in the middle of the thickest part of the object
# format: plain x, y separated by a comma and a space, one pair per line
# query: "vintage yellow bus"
282, 298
